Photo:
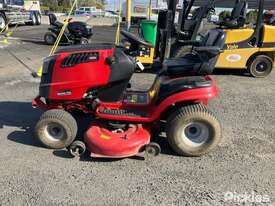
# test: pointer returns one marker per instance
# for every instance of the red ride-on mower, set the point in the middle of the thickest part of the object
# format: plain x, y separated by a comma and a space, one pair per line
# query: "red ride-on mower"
95, 79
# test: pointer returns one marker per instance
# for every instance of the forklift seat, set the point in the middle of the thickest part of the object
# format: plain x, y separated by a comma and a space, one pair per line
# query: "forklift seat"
201, 60
237, 18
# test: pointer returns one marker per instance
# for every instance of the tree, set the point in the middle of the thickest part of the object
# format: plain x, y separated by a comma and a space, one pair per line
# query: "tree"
65, 5
224, 14
251, 17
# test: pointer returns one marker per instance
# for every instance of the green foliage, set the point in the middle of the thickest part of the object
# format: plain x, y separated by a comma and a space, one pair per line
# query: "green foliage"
224, 14
64, 5
251, 17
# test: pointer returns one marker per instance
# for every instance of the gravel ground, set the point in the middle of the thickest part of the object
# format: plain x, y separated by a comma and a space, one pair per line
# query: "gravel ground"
244, 162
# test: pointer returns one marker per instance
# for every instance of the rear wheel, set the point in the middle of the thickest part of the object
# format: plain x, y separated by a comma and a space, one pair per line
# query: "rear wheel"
56, 129
38, 19
193, 130
261, 66
84, 41
33, 20
49, 38
3, 23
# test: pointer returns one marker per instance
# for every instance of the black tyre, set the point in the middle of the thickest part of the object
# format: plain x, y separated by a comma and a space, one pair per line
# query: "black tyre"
84, 41
261, 66
50, 38
77, 148
33, 20
3, 23
152, 150
56, 129
181, 51
38, 19
193, 130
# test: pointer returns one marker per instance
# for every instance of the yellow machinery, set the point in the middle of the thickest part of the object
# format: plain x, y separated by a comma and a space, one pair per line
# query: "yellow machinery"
144, 53
247, 48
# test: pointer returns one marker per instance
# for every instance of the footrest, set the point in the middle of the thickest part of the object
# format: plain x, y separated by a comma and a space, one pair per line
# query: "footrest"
124, 112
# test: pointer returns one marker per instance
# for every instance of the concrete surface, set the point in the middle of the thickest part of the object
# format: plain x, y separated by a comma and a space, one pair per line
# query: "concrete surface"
244, 162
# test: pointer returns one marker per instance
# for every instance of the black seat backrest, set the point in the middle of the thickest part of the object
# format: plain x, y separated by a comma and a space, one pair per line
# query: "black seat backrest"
213, 38
53, 19
238, 15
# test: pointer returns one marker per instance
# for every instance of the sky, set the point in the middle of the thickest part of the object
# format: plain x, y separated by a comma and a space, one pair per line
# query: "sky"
115, 3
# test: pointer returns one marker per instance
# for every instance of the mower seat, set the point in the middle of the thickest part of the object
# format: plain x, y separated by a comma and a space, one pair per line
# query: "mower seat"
201, 60
135, 40
54, 22
237, 18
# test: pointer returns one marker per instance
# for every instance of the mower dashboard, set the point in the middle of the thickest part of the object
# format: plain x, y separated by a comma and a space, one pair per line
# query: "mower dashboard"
133, 39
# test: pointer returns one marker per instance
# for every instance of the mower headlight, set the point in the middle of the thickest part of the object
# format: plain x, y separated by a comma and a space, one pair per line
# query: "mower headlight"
48, 63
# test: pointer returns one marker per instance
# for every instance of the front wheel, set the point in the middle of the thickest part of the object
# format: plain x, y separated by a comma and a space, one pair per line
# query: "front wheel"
261, 66
49, 38
193, 130
56, 129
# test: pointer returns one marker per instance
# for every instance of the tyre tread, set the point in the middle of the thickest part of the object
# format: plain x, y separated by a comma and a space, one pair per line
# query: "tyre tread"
181, 113
62, 116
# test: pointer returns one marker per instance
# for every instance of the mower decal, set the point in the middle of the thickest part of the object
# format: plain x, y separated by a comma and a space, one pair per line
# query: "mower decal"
103, 136
233, 58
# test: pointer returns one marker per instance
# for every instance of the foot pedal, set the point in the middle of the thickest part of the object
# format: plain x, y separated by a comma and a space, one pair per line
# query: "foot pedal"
124, 112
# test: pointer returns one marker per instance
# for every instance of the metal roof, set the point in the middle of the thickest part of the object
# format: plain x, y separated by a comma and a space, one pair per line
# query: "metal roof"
253, 4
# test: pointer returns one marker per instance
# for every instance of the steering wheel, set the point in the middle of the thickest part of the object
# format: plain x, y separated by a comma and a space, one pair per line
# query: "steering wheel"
135, 40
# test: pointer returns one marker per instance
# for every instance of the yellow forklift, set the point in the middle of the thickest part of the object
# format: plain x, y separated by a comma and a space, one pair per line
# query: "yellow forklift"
248, 48
158, 39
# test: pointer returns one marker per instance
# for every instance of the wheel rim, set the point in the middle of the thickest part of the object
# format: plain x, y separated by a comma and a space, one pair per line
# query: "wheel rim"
2, 23
77, 151
33, 19
261, 67
38, 19
84, 42
55, 132
195, 134
50, 39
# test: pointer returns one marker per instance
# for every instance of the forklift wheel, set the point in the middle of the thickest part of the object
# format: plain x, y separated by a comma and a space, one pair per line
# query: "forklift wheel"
77, 148
152, 149
261, 66
193, 130
56, 129
49, 38
84, 41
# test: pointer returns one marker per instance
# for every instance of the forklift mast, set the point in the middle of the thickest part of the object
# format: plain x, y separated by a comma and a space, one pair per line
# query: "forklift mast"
172, 6
186, 8
259, 23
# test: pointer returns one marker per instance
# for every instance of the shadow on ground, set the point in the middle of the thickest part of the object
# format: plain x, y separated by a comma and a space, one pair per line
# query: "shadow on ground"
234, 72
23, 118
